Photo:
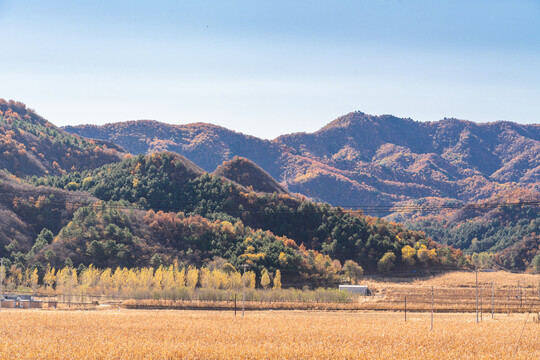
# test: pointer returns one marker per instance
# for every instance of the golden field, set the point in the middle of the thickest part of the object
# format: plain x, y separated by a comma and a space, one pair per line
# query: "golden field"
146, 334
503, 279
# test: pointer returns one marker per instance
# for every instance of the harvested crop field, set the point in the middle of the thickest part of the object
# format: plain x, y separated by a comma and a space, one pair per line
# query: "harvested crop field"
146, 334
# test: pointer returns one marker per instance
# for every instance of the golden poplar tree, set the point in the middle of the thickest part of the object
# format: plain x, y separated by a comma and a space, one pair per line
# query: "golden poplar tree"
265, 279
50, 277
277, 280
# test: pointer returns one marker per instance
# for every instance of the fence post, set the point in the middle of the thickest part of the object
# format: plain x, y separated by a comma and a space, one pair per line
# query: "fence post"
405, 309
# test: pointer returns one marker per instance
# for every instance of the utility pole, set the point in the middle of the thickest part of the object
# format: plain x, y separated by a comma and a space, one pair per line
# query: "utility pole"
476, 270
243, 288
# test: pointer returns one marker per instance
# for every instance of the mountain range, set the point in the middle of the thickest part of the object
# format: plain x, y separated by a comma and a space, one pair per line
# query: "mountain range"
467, 185
358, 159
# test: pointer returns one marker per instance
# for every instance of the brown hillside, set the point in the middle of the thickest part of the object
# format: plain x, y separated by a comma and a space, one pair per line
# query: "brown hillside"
359, 159
26, 210
30, 145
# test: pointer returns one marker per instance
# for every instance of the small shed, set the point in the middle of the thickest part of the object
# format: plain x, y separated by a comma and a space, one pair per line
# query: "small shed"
356, 289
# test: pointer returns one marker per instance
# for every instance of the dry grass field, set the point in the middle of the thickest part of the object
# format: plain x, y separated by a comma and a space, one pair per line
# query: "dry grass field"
461, 279
146, 334
456, 291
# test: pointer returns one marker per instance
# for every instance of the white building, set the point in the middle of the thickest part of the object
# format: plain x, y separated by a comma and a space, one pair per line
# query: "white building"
356, 289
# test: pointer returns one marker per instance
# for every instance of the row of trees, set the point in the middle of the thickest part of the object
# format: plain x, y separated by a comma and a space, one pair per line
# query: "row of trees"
128, 281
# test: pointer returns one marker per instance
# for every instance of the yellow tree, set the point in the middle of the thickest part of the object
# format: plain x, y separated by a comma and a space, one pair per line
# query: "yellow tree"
105, 280
277, 280
432, 255
353, 271
204, 278
423, 255
180, 278
34, 279
16, 276
26, 278
250, 279
49, 277
146, 278
73, 281
62, 278
407, 254
220, 279
119, 278
235, 280
265, 279
192, 277
89, 278
158, 278
133, 279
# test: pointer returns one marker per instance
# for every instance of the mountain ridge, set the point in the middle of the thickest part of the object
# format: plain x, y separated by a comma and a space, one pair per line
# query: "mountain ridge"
360, 158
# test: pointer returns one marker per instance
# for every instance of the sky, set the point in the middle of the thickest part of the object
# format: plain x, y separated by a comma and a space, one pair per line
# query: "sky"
271, 67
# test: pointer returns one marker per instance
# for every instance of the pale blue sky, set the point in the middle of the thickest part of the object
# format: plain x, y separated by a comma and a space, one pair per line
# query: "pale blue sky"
271, 67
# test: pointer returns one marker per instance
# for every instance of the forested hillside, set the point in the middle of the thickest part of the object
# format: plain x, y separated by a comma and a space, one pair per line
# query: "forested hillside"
26, 210
359, 159
30, 144
387, 166
507, 225
169, 182
113, 235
